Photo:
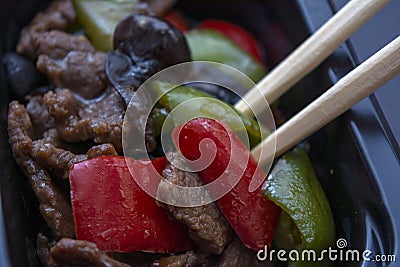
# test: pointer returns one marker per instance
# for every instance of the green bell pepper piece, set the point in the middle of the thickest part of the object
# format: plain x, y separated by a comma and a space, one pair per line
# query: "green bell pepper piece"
99, 18
287, 235
159, 115
209, 45
293, 185
209, 106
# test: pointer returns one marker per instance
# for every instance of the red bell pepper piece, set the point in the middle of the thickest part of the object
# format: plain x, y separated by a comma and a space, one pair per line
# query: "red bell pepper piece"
237, 34
111, 210
176, 18
252, 216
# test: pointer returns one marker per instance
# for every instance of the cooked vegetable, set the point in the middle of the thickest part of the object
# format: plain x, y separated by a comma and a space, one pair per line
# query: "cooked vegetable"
111, 210
146, 38
209, 45
222, 93
206, 108
293, 186
237, 34
99, 18
143, 46
22, 74
176, 18
159, 117
160, 7
253, 217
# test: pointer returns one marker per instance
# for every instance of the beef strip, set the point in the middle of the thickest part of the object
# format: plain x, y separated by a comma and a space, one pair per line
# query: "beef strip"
42, 123
53, 158
53, 204
101, 150
137, 258
58, 15
207, 226
81, 72
20, 130
39, 115
183, 260
44, 244
234, 255
100, 119
70, 252
57, 44
137, 120
51, 137
237, 255
57, 159
37, 158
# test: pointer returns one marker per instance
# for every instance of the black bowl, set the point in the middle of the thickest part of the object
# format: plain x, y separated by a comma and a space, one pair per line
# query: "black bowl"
356, 157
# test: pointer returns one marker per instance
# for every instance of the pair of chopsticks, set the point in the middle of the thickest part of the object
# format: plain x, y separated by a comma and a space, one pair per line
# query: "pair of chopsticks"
355, 86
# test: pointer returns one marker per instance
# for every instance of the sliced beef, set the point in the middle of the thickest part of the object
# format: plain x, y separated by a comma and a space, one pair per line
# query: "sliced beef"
81, 72
39, 115
137, 121
51, 137
58, 15
57, 44
70, 252
46, 153
54, 206
42, 123
38, 159
183, 260
207, 226
136, 259
53, 158
61, 104
101, 150
100, 120
20, 130
44, 244
237, 255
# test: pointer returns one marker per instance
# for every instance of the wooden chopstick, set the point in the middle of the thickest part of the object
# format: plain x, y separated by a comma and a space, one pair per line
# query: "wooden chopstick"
351, 89
310, 54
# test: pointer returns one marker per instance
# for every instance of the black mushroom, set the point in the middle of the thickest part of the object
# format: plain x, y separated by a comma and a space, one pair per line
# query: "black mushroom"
143, 45
22, 74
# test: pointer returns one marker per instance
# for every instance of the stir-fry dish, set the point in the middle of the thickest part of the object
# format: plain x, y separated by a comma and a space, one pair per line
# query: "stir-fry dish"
76, 68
